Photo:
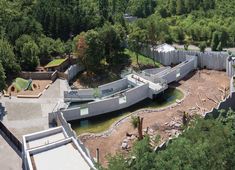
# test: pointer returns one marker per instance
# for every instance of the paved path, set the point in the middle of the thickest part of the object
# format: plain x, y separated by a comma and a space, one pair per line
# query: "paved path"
9, 160
26, 116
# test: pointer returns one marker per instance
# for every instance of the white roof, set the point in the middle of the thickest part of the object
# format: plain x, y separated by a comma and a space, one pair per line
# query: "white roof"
53, 149
164, 48
62, 157
46, 140
44, 137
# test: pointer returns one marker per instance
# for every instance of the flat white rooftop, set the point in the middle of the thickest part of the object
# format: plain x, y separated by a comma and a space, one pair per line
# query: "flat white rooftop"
63, 157
45, 140
52, 149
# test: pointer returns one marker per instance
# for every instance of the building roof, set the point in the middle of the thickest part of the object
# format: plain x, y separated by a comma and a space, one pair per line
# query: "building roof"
53, 149
56, 62
42, 138
164, 48
62, 155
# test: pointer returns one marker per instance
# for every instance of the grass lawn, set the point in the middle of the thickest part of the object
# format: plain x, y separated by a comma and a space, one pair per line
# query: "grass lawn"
103, 122
56, 62
20, 84
143, 60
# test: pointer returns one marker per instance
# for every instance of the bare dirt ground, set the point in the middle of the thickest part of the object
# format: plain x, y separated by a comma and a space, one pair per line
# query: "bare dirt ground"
203, 90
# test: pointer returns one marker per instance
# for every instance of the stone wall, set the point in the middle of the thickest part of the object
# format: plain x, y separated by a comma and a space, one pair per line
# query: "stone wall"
38, 75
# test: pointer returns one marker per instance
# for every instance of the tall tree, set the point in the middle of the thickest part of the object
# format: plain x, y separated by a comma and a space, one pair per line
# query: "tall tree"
136, 41
27, 52
8, 59
137, 122
215, 41
2, 78
104, 9
113, 39
180, 8
90, 49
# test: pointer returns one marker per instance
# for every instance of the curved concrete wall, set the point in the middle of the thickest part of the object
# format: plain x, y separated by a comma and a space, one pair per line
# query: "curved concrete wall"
101, 91
95, 108
128, 98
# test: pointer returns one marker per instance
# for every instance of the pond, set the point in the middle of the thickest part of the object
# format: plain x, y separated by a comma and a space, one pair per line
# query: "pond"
103, 122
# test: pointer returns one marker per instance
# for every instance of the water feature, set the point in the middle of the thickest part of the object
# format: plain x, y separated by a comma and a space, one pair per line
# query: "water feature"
103, 122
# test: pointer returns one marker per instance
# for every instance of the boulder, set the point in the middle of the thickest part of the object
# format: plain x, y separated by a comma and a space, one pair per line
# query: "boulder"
124, 145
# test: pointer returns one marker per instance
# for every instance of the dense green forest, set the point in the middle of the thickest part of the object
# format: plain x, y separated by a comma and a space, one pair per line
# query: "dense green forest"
32, 32
206, 144
35, 31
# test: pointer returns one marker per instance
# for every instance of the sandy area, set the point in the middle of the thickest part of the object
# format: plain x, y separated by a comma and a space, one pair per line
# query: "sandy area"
41, 85
202, 89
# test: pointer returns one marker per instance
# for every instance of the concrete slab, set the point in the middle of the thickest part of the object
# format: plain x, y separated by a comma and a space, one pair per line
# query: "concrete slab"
9, 160
63, 157
46, 140
23, 111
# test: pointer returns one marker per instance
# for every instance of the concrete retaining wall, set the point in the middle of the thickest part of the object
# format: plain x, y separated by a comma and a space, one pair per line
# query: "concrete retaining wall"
101, 91
132, 96
209, 60
58, 117
72, 114
178, 72
230, 67
73, 70
113, 87
81, 93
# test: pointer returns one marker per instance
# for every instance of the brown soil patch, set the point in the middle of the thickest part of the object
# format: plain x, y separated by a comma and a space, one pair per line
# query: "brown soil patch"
199, 87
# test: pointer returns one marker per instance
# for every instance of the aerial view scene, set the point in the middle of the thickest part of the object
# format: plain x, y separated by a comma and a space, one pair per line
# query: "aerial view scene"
117, 84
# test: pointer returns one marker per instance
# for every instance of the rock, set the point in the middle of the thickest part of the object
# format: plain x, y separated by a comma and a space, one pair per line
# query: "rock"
193, 108
125, 141
171, 123
129, 138
173, 132
133, 137
124, 146
151, 130
177, 125
178, 101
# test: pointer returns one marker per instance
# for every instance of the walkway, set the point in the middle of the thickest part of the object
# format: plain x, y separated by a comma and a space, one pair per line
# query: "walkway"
156, 87
26, 116
9, 160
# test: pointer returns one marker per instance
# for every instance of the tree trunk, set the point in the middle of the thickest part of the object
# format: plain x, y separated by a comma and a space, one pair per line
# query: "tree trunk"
137, 59
153, 54
140, 128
